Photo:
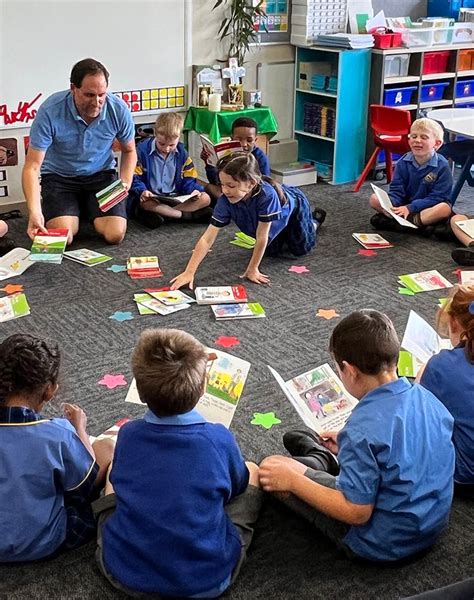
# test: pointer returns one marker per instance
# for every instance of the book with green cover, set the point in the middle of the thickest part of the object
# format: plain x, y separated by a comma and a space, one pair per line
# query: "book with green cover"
252, 310
425, 281
14, 306
50, 246
243, 241
90, 258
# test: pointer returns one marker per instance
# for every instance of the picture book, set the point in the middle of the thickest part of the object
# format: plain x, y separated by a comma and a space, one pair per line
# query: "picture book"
243, 241
319, 398
49, 247
143, 310
387, 205
425, 281
408, 365
111, 433
147, 301
225, 379
13, 307
111, 195
171, 298
14, 263
467, 226
466, 277
142, 267
372, 241
173, 200
217, 151
229, 294
224, 312
90, 258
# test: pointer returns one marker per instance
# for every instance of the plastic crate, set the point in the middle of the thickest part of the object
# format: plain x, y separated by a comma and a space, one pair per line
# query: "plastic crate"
387, 40
398, 96
433, 91
396, 65
464, 88
435, 62
466, 60
332, 84
318, 82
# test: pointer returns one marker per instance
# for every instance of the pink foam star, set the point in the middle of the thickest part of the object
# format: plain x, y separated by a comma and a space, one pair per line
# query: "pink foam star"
112, 381
367, 252
227, 342
298, 269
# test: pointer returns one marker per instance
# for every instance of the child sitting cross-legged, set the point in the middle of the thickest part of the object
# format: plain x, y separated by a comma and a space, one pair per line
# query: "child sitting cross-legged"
390, 495
421, 187
179, 520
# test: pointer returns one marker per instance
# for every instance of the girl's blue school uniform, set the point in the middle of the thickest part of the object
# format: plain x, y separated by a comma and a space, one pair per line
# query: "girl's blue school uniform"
291, 224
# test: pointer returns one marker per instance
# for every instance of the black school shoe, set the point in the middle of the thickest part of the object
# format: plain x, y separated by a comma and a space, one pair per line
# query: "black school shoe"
319, 214
305, 444
384, 223
444, 233
149, 219
463, 256
6, 244
202, 215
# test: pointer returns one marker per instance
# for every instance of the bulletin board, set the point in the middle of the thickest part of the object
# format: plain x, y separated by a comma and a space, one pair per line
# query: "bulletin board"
275, 27
141, 43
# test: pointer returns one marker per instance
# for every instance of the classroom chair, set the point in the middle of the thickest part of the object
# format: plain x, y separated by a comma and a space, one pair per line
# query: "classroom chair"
390, 127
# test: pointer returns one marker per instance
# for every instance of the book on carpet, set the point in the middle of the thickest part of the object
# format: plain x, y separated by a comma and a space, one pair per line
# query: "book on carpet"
111, 195
220, 150
371, 241
50, 246
466, 277
171, 298
173, 199
228, 294
143, 310
147, 301
90, 258
111, 433
425, 281
224, 312
13, 307
387, 205
141, 267
243, 240
319, 398
225, 379
14, 263
467, 226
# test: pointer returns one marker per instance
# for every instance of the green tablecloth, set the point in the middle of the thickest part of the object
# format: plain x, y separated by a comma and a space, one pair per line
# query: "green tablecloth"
219, 125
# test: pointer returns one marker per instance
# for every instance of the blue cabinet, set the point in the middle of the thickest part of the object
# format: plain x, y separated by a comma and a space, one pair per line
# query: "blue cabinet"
447, 8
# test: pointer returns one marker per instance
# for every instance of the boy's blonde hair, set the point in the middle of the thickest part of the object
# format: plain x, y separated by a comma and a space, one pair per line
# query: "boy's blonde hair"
433, 127
169, 125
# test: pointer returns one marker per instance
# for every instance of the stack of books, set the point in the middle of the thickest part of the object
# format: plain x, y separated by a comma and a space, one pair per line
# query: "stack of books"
89, 258
372, 241
141, 267
12, 307
50, 246
346, 40
111, 195
162, 301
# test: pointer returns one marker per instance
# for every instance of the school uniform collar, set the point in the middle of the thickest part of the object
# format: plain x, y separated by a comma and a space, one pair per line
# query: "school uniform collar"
433, 162
190, 418
19, 414
399, 386
155, 149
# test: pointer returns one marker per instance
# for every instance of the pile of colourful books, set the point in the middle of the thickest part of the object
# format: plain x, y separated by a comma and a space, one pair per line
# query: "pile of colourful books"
141, 267
111, 195
161, 301
49, 246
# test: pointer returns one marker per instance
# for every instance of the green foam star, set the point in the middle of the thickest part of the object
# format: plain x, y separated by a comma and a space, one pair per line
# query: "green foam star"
266, 420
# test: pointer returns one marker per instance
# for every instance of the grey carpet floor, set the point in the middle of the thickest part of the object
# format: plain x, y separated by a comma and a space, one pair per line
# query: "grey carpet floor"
288, 559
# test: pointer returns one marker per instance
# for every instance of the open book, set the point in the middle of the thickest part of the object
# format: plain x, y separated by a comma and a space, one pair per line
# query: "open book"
387, 205
319, 398
14, 263
172, 199
425, 281
467, 226
220, 150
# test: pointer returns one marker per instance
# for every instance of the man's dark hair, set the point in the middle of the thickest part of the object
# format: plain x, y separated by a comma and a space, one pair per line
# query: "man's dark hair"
87, 66
367, 340
244, 122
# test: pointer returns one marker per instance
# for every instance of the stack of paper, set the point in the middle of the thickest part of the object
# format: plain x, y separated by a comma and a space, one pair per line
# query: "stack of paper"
12, 307
141, 267
87, 257
372, 241
50, 246
111, 195
221, 295
243, 241
14, 263
162, 301
425, 281
224, 312
346, 40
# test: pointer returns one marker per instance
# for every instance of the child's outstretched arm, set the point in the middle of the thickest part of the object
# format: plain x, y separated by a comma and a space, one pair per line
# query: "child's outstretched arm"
78, 419
252, 272
202, 247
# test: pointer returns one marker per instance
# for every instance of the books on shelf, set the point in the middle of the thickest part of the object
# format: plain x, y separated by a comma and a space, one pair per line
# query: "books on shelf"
467, 226
371, 241
14, 263
13, 307
220, 150
229, 294
425, 281
319, 398
224, 312
243, 240
141, 267
111, 195
89, 258
225, 379
50, 246
346, 40
387, 205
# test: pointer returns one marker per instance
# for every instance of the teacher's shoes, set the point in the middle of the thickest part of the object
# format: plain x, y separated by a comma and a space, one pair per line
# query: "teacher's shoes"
305, 448
464, 256
147, 218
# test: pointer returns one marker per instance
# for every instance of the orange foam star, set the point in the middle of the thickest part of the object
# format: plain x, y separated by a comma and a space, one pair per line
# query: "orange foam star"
12, 288
329, 313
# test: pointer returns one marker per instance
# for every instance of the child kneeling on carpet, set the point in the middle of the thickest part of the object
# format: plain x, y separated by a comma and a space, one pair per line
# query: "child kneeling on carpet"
421, 187
450, 375
390, 495
276, 215
50, 469
179, 518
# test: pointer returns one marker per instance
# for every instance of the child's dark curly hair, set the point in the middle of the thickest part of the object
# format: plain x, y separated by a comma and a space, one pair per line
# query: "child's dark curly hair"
27, 364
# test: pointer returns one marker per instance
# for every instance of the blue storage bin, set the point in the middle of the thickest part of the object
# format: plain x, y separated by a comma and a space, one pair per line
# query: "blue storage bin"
398, 96
464, 88
332, 85
318, 82
433, 91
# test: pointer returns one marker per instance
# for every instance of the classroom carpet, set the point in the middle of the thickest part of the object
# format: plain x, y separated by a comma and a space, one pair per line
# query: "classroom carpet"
72, 304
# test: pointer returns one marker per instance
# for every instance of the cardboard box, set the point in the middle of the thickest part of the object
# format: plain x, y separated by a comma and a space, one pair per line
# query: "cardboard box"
297, 173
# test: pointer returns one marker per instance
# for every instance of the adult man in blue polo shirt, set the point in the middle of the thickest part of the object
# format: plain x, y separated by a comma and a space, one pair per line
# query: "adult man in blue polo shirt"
71, 146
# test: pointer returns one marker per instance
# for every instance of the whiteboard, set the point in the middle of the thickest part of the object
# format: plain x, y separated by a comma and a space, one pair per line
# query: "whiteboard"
141, 43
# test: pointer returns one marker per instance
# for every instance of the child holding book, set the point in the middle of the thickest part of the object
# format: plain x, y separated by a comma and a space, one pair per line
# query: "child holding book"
164, 169
50, 470
179, 518
391, 494
277, 216
450, 375
421, 187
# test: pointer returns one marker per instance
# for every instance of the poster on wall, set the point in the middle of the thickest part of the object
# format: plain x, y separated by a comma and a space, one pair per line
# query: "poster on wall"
8, 152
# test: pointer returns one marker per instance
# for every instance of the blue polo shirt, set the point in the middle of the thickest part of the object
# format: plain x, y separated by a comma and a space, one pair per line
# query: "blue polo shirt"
41, 459
395, 452
162, 171
264, 206
450, 376
72, 146
170, 533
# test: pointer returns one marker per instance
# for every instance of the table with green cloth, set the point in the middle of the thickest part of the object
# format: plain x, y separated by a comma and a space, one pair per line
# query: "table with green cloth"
217, 125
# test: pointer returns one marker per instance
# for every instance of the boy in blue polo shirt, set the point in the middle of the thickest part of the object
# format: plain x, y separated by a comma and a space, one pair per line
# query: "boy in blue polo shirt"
390, 496
180, 518
421, 187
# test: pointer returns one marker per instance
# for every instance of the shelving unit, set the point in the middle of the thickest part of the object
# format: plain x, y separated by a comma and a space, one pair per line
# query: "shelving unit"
342, 154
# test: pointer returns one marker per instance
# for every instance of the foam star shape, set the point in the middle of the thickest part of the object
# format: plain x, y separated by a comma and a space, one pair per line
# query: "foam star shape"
367, 252
266, 420
227, 342
403, 291
329, 313
112, 381
298, 269
121, 316
12, 288
117, 268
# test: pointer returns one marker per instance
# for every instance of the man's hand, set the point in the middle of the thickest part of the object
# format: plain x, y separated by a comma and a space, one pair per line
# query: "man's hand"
255, 276
329, 441
276, 474
76, 416
401, 211
35, 224
182, 279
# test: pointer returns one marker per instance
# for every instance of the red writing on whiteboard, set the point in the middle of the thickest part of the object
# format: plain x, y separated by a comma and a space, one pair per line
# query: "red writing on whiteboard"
23, 113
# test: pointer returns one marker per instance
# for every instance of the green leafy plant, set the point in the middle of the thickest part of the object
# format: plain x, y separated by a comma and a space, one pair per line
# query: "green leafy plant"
238, 26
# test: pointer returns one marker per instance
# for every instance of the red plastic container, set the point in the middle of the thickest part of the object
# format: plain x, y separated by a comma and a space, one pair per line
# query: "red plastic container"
435, 62
387, 40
